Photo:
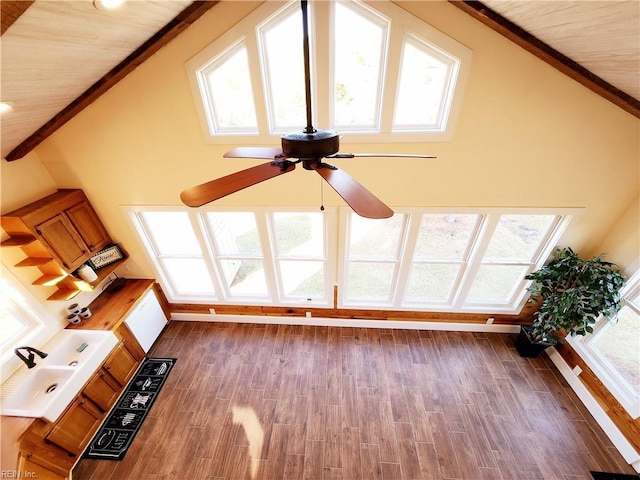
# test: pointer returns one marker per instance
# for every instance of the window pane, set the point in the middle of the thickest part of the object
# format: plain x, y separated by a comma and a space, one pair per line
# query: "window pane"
358, 45
299, 234
10, 325
244, 277
619, 343
494, 283
283, 62
431, 282
188, 275
235, 233
444, 236
375, 238
370, 280
171, 233
229, 88
517, 237
422, 91
303, 279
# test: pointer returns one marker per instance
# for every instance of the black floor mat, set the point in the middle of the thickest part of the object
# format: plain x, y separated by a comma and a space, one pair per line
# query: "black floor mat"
613, 476
119, 429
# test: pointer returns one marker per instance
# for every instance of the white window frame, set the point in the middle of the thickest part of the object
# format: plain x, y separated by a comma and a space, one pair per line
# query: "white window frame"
625, 393
264, 223
336, 261
403, 26
489, 218
385, 24
38, 322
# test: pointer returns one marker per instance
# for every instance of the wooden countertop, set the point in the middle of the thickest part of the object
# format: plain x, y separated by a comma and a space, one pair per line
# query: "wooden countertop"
109, 309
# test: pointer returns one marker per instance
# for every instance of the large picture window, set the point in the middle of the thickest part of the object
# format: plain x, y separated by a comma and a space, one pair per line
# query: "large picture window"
19, 321
453, 260
613, 350
445, 261
238, 256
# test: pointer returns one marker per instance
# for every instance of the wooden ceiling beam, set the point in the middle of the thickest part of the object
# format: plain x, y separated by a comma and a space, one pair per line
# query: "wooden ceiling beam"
10, 11
180, 23
535, 46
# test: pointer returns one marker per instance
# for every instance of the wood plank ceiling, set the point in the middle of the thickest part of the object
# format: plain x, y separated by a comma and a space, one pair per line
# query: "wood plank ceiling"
58, 57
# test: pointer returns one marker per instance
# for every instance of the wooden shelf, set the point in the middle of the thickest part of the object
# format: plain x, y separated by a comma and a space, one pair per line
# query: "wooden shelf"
69, 286
63, 294
33, 262
48, 280
17, 241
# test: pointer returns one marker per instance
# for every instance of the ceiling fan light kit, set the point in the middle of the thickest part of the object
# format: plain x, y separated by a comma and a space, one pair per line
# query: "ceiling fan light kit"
309, 147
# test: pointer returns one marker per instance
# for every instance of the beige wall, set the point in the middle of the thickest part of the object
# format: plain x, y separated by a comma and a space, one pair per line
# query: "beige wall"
622, 243
526, 136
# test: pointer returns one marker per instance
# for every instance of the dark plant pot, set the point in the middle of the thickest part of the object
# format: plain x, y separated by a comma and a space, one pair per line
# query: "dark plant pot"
527, 347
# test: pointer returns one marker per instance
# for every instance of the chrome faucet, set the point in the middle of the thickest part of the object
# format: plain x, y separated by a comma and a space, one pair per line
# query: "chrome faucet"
32, 354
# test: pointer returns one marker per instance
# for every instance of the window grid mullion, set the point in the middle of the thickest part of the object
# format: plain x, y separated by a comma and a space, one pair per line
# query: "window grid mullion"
205, 240
264, 225
411, 231
481, 238
391, 76
256, 72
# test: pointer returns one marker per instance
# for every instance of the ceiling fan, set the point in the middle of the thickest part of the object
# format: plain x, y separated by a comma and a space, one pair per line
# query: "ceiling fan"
309, 147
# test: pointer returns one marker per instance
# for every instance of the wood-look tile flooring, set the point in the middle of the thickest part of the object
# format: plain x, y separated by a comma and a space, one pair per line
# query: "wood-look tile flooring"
302, 402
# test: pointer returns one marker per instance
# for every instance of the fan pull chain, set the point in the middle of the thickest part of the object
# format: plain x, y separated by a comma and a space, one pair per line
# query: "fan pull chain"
321, 195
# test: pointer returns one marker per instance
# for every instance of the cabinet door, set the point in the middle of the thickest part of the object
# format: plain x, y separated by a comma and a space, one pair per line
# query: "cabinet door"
74, 429
102, 390
89, 227
121, 364
124, 334
28, 467
63, 240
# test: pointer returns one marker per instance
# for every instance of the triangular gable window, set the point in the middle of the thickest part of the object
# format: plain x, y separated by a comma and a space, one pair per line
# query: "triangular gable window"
424, 87
360, 49
282, 66
226, 88
379, 74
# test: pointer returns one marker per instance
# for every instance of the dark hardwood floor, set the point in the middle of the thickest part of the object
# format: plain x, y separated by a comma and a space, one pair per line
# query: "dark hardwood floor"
301, 402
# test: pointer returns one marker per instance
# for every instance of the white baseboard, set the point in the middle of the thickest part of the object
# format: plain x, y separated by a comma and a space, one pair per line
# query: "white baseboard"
610, 429
347, 322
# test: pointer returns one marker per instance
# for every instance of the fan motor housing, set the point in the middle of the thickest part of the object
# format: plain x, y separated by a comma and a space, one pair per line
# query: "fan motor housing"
318, 144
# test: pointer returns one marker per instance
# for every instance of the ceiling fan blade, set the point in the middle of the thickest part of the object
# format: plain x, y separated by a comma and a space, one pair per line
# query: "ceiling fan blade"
269, 153
221, 187
381, 155
361, 200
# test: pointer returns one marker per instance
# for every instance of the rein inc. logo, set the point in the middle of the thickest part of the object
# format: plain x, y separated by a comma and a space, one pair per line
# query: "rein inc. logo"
17, 474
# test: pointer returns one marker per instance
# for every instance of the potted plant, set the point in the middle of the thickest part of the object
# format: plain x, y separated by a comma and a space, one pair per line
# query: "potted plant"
571, 294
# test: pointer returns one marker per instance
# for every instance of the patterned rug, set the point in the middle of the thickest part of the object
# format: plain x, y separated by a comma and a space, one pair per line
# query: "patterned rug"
114, 437
613, 476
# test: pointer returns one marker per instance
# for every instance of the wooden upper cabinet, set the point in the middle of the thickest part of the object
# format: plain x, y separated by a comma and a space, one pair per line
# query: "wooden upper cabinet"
63, 240
65, 222
88, 225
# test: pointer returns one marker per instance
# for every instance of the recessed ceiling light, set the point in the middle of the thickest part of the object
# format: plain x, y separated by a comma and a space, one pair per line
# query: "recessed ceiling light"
107, 4
5, 107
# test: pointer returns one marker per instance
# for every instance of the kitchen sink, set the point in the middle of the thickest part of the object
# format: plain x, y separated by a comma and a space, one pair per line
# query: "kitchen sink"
44, 391
38, 391
74, 348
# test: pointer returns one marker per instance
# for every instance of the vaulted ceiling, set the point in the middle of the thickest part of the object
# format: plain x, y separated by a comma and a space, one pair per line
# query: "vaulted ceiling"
58, 56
